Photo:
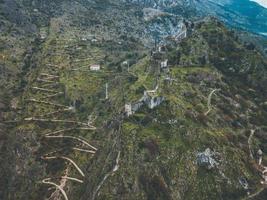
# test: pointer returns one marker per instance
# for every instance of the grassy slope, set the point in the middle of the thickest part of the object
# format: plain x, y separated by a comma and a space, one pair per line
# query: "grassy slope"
157, 156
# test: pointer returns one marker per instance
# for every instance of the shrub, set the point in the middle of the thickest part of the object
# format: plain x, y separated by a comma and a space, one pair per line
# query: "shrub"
152, 146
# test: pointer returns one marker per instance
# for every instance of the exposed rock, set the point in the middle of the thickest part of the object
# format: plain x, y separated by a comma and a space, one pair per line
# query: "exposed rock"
206, 159
243, 182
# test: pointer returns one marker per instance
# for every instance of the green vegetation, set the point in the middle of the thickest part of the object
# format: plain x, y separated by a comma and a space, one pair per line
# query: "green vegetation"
157, 147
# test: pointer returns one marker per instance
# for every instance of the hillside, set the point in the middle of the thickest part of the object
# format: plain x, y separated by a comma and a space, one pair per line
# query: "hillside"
94, 109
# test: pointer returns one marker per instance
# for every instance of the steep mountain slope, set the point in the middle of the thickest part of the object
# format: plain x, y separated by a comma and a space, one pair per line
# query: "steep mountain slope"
159, 147
137, 128
243, 14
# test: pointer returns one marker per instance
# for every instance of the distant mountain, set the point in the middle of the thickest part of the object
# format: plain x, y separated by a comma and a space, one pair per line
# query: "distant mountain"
263, 3
245, 14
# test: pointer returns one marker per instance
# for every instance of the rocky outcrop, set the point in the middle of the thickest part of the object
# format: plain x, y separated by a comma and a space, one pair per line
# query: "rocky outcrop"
206, 159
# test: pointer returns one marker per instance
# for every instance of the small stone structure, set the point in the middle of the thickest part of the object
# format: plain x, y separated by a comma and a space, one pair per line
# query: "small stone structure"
128, 109
94, 67
131, 108
136, 106
164, 64
155, 55
162, 49
149, 98
125, 62
43, 33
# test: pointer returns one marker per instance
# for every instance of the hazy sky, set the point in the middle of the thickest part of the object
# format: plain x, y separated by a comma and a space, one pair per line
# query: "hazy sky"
261, 2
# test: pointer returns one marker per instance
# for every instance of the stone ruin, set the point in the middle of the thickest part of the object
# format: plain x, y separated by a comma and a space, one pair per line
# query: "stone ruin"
243, 182
149, 98
206, 159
